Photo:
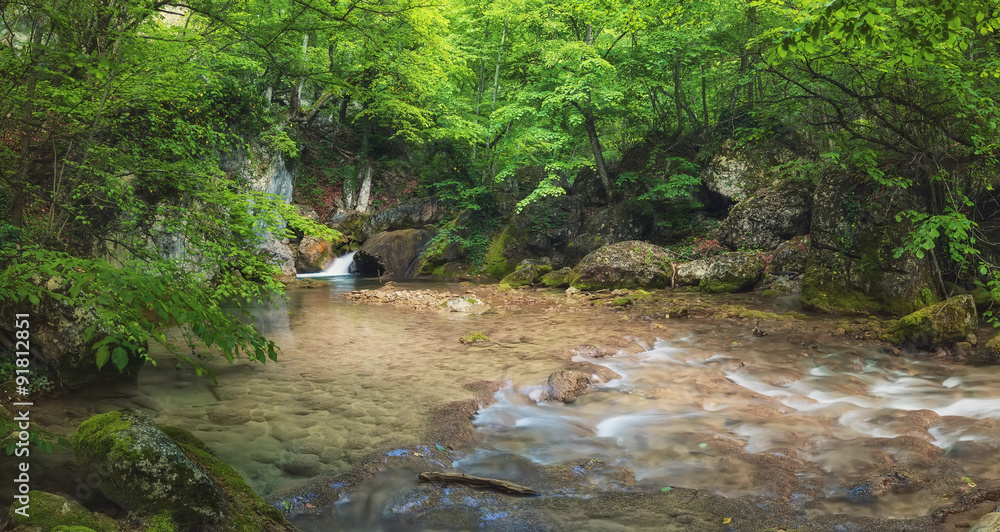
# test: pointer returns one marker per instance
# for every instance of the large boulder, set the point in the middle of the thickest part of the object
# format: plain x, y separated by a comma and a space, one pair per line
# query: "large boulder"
314, 254
950, 321
854, 235
732, 272
691, 273
411, 214
283, 254
770, 217
791, 256
145, 471
631, 264
168, 477
989, 354
393, 253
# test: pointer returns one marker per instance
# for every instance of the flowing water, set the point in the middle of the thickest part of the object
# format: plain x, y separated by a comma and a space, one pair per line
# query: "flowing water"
342, 265
713, 408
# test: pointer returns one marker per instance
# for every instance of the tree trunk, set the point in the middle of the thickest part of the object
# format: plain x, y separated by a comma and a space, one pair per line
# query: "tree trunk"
595, 146
24, 158
496, 73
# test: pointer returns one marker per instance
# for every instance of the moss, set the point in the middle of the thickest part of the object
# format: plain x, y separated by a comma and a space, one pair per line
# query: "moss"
820, 291
474, 337
622, 302
718, 286
102, 434
557, 279
494, 262
249, 512
945, 322
161, 522
770, 293
72, 528
49, 512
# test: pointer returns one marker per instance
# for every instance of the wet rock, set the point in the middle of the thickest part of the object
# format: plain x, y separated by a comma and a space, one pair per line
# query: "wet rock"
392, 253
988, 354
314, 254
566, 385
525, 275
467, 303
144, 471
732, 272
886, 483
303, 465
944, 323
772, 216
631, 264
988, 523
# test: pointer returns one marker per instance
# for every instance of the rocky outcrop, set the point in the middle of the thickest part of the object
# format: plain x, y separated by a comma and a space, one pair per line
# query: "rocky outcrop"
283, 254
691, 273
988, 354
953, 320
854, 234
393, 253
770, 217
411, 214
631, 264
314, 254
61, 354
791, 256
168, 476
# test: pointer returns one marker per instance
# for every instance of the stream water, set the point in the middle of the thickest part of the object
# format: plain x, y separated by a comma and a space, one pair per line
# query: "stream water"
712, 407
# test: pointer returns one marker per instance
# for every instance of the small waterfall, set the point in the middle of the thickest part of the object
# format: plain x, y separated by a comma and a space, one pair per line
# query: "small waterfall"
342, 265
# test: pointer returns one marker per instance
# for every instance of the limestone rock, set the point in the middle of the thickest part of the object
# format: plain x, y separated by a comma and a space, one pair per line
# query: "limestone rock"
691, 273
314, 255
944, 323
393, 253
791, 256
772, 216
283, 254
144, 471
731, 272
411, 214
631, 264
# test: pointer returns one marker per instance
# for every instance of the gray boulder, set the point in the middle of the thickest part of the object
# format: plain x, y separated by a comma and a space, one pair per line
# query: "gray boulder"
411, 214
631, 264
950, 321
770, 217
732, 272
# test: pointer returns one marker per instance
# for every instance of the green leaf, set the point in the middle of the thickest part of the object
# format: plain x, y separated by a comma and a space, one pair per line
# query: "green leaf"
120, 358
102, 356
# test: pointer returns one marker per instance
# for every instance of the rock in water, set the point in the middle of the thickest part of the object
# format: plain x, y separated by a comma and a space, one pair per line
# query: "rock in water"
144, 471
394, 253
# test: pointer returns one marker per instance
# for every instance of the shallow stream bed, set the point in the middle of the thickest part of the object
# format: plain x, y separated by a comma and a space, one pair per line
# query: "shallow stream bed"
792, 429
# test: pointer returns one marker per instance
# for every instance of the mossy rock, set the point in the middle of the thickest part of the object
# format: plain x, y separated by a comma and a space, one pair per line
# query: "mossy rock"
557, 278
144, 471
732, 272
169, 473
525, 275
989, 354
631, 264
947, 322
248, 511
495, 263
473, 338
50, 512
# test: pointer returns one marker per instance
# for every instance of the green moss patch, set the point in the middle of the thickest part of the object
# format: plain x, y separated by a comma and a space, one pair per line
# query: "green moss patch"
474, 337
51, 512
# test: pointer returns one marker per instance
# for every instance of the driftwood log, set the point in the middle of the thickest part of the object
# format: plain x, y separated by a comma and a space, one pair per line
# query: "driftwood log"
477, 482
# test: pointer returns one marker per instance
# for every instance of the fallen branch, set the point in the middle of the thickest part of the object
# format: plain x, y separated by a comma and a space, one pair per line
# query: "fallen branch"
478, 482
